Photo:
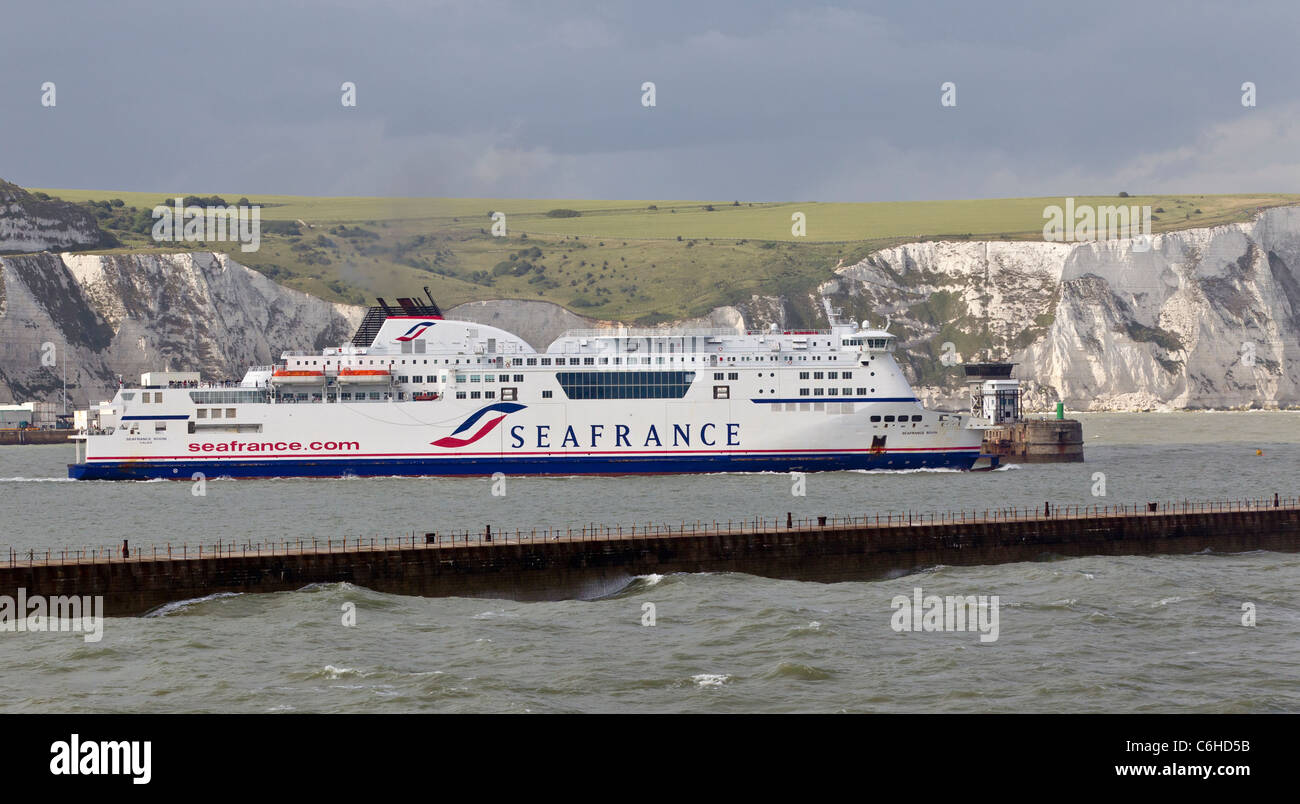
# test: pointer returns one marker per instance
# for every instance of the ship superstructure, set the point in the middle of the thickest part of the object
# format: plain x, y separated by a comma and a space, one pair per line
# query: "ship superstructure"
414, 393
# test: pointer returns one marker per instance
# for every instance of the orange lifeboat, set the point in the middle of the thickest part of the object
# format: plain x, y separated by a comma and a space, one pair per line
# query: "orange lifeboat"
297, 376
348, 374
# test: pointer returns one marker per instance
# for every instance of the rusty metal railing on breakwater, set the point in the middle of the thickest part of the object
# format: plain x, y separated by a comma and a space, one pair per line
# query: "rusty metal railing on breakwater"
489, 536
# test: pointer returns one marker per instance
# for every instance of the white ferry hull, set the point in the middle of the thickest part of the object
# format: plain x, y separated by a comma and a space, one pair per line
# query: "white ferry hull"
643, 437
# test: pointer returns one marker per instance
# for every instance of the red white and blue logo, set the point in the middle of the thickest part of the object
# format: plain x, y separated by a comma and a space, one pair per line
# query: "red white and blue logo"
504, 408
415, 331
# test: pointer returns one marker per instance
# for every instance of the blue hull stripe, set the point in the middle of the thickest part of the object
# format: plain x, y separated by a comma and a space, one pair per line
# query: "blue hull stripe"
522, 465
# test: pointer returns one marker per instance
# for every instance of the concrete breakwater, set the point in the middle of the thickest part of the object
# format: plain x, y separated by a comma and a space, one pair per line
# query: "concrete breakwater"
553, 565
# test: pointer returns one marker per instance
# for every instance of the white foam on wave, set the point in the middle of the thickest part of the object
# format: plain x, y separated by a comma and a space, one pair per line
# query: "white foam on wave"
710, 679
332, 672
37, 480
180, 605
651, 579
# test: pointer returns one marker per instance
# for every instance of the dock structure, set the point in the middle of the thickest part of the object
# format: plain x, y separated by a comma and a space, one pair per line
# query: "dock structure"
592, 561
996, 398
1036, 441
14, 437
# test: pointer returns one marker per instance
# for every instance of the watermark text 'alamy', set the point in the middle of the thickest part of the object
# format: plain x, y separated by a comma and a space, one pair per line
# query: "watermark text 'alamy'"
214, 224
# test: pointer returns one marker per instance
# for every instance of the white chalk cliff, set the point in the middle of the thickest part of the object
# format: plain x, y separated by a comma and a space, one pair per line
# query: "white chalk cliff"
104, 315
1206, 318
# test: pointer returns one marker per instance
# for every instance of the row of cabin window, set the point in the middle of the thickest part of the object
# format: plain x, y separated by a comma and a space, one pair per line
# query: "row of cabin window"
203, 413
144, 396
573, 361
507, 394
890, 418
829, 375
645, 361
486, 378
833, 391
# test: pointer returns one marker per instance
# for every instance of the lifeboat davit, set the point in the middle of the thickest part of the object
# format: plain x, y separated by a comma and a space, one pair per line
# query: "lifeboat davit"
355, 375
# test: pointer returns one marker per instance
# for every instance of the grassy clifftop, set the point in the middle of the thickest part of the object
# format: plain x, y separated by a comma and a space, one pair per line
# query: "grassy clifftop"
632, 260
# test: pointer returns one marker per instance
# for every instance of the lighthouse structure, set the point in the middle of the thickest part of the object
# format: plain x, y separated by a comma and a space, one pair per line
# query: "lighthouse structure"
994, 393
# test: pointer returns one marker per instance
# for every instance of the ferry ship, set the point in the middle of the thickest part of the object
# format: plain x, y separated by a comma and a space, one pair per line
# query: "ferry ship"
414, 393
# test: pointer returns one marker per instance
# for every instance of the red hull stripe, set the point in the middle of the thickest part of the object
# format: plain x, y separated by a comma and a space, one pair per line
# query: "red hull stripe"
452, 441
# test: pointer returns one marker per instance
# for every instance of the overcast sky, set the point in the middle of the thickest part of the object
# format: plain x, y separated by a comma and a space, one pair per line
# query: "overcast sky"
754, 100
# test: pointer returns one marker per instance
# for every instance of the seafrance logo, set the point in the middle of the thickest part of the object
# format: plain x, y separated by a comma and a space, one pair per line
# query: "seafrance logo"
504, 408
415, 331
708, 434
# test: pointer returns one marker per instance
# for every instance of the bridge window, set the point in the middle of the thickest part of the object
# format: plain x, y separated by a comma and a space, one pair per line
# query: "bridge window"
625, 384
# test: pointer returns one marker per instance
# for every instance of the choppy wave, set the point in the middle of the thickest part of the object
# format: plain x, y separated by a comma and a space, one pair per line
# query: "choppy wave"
710, 679
180, 606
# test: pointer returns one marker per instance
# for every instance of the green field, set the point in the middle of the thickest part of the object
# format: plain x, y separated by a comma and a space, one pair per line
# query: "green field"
631, 260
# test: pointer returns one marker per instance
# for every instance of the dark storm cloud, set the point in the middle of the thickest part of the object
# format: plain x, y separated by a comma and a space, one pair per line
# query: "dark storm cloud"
755, 100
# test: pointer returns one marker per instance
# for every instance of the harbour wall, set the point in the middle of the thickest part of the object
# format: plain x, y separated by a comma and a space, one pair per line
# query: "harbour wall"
1037, 441
592, 562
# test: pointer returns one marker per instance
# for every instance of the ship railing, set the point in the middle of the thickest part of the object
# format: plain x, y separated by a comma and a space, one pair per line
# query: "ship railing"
492, 535
650, 332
